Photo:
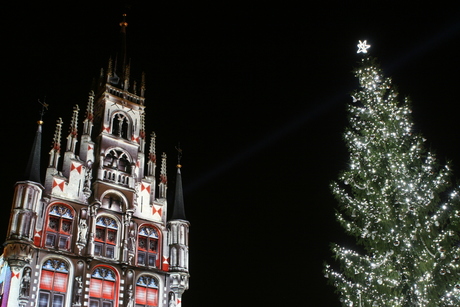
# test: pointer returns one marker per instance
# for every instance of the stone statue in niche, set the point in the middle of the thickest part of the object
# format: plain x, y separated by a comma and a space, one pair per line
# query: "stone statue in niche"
87, 184
172, 300
78, 288
82, 231
25, 283
132, 239
130, 297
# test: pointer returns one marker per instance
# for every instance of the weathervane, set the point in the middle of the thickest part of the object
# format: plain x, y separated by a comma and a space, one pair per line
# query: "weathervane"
179, 155
363, 46
42, 112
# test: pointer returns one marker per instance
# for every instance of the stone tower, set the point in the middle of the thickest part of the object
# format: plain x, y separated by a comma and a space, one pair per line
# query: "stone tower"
95, 232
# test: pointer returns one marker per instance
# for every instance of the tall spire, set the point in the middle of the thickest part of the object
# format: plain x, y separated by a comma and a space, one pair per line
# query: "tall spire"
178, 207
33, 165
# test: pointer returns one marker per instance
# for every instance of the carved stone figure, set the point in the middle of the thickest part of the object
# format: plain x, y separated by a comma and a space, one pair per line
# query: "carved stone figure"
132, 240
25, 283
130, 297
82, 231
172, 300
78, 291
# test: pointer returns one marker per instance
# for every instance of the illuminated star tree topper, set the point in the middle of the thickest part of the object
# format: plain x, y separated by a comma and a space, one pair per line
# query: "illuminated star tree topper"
363, 46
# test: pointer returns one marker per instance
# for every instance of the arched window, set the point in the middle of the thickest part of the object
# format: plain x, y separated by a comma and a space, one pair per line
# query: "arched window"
106, 237
118, 160
120, 125
53, 283
146, 291
59, 227
148, 247
103, 288
112, 201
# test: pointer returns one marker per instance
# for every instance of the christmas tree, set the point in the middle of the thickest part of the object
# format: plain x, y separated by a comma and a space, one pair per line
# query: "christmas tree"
397, 200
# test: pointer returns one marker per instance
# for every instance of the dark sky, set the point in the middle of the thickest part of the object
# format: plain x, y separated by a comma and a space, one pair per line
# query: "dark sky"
256, 97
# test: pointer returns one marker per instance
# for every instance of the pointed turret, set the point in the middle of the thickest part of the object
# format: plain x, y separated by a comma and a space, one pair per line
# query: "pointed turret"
32, 172
178, 244
178, 207
19, 245
33, 165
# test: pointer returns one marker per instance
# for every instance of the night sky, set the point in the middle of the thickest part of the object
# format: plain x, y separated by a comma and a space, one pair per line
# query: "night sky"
256, 95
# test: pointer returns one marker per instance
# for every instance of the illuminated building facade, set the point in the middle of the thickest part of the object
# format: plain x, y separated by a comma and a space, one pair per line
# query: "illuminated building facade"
95, 232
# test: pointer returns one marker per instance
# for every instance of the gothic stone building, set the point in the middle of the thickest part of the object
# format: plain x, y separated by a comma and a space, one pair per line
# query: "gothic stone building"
95, 232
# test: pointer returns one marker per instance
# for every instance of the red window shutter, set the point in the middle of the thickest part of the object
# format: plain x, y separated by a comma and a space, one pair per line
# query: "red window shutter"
152, 297
60, 282
108, 289
46, 280
141, 297
95, 288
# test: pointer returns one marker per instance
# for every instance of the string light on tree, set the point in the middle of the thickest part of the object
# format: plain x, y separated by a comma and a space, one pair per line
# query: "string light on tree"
397, 200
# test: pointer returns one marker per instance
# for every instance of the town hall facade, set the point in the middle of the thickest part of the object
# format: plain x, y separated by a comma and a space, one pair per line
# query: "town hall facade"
95, 232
